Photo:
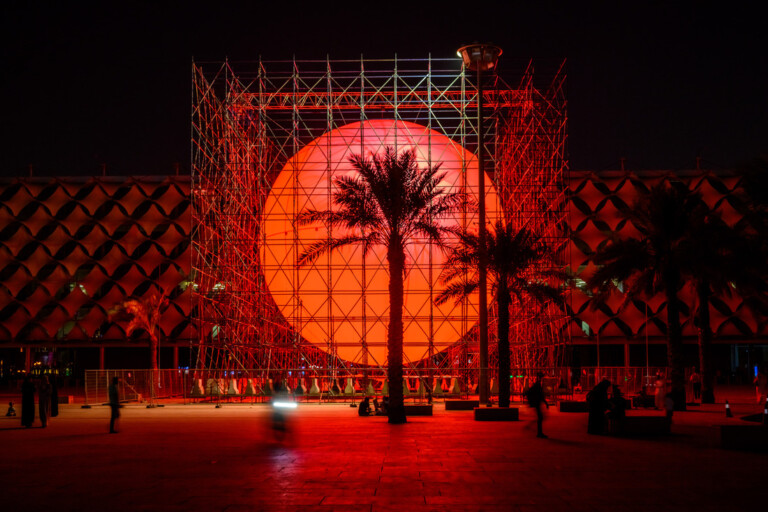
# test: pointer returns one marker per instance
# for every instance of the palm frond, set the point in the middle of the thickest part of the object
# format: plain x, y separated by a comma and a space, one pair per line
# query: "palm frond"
457, 290
317, 249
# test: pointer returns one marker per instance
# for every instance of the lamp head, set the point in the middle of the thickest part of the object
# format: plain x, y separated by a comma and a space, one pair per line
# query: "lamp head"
476, 55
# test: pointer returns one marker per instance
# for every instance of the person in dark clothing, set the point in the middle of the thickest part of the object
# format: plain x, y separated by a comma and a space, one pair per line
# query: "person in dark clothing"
536, 398
364, 409
44, 401
617, 411
27, 402
597, 403
114, 405
11, 410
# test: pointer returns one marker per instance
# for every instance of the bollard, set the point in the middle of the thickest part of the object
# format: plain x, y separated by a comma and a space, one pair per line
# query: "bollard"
728, 413
437, 389
250, 389
314, 390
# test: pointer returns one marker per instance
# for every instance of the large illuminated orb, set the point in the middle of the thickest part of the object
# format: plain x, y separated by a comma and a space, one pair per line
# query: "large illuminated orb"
340, 302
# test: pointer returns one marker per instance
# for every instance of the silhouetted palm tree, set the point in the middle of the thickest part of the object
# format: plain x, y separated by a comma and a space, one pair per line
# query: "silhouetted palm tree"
722, 261
389, 203
516, 267
653, 263
143, 314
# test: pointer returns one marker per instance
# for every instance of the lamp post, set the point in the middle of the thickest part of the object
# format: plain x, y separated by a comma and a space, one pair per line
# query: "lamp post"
481, 57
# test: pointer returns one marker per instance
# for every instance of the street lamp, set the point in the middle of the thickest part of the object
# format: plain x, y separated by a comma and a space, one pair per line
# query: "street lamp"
481, 57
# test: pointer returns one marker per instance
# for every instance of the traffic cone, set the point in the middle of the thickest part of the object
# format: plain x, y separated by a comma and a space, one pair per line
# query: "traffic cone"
728, 413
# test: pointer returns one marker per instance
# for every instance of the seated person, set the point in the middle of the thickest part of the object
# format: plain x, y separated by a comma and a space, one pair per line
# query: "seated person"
11, 410
643, 399
385, 406
376, 407
364, 409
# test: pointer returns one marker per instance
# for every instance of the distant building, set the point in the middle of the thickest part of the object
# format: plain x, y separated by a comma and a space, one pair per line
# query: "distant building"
598, 201
72, 248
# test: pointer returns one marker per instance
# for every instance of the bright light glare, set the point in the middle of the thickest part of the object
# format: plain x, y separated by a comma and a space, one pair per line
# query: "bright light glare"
285, 405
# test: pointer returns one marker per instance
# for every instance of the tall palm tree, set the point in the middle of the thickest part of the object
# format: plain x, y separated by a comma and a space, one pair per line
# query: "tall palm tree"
391, 202
516, 267
652, 262
720, 261
144, 314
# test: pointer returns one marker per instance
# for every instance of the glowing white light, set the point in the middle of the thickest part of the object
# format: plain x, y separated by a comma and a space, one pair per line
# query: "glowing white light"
285, 405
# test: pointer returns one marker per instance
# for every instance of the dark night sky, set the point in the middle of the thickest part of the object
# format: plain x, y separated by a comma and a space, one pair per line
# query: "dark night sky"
84, 84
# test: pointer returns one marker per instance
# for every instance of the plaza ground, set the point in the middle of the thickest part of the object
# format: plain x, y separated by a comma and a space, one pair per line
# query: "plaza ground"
198, 457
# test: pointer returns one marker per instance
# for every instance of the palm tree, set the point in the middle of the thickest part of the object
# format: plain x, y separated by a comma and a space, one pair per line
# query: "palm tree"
389, 203
143, 314
720, 261
653, 263
515, 267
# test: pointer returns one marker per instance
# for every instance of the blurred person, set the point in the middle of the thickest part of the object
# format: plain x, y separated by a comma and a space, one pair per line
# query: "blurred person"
761, 385
281, 404
11, 410
114, 405
669, 406
661, 391
44, 401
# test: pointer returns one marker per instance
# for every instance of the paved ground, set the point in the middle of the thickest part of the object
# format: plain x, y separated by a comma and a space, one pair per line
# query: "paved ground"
197, 457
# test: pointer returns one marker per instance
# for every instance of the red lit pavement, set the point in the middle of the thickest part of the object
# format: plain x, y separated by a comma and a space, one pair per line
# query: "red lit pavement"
197, 457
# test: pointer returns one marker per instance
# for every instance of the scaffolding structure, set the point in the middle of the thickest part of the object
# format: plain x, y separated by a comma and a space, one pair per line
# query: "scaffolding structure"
253, 127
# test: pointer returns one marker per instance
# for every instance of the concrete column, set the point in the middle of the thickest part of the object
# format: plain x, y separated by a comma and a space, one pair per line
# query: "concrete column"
28, 359
101, 358
175, 358
626, 355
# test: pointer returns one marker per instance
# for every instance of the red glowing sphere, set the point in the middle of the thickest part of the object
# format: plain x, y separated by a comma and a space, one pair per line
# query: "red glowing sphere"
340, 302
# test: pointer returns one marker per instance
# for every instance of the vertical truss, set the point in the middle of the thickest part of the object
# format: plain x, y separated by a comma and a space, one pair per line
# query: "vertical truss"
249, 120
531, 168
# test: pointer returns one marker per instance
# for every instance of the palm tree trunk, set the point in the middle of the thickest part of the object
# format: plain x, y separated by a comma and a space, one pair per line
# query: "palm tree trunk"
153, 367
153, 353
705, 344
396, 260
503, 343
675, 340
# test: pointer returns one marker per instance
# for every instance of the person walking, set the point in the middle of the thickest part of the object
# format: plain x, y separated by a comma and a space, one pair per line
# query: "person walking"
44, 401
696, 384
27, 402
114, 405
761, 385
661, 392
536, 398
